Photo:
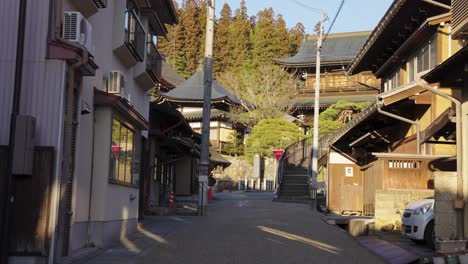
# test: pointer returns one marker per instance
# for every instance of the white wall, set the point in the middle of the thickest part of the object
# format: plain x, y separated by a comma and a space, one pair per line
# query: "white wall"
337, 158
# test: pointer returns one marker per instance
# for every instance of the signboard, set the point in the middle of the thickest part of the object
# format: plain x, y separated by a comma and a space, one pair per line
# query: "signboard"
116, 150
349, 171
278, 153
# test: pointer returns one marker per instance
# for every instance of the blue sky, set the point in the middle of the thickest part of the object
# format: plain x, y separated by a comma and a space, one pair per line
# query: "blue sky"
356, 15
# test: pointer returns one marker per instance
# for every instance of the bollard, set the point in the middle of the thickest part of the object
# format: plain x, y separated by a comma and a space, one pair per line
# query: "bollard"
171, 199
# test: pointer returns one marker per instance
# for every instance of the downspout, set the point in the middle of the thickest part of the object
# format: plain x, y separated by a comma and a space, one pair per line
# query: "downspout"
56, 10
67, 125
415, 123
459, 202
71, 79
88, 229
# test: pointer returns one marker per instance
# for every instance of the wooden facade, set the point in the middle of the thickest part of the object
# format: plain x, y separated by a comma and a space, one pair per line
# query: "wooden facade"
395, 173
338, 82
345, 192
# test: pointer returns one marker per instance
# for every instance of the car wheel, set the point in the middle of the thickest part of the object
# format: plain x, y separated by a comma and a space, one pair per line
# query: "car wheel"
429, 234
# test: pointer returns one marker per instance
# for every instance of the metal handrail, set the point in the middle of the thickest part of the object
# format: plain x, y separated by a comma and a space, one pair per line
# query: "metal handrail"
293, 153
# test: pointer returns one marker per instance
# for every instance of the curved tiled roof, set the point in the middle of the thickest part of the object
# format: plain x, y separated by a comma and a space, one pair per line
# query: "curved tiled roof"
192, 90
338, 48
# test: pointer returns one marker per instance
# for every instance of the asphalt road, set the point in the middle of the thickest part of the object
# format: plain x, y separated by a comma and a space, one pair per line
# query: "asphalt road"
242, 228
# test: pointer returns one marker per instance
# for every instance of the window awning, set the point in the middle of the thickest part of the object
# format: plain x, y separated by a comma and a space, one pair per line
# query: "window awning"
102, 98
399, 94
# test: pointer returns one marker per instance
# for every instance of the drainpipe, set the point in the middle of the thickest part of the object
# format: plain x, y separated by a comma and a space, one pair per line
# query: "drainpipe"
415, 123
88, 229
458, 203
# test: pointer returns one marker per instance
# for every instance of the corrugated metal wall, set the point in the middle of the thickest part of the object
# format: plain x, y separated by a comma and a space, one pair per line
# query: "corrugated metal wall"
43, 80
9, 21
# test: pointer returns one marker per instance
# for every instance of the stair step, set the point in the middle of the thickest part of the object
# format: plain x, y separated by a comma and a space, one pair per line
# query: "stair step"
294, 175
293, 187
293, 193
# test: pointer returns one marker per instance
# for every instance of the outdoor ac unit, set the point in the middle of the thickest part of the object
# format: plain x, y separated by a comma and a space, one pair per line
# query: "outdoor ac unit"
77, 29
116, 84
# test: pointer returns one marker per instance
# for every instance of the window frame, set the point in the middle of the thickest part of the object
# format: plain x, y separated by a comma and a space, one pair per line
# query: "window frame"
114, 176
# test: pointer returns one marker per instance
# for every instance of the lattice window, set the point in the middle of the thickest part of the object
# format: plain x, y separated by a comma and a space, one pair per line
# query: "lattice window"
404, 164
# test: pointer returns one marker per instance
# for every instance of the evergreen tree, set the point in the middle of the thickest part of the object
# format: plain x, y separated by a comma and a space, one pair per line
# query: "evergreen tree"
296, 35
222, 42
282, 37
270, 38
201, 19
190, 37
240, 32
271, 134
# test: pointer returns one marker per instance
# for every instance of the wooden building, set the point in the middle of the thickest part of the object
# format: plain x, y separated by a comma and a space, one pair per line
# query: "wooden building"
188, 98
393, 141
335, 84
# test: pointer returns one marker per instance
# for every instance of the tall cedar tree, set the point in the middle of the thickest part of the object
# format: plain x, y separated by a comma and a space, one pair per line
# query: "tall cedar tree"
240, 31
270, 39
222, 48
296, 35
236, 41
190, 37
202, 14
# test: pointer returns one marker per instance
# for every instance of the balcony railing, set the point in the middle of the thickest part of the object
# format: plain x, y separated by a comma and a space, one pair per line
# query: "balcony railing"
135, 35
153, 62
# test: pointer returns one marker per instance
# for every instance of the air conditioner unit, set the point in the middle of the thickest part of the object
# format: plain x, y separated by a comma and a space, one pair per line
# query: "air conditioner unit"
77, 29
116, 84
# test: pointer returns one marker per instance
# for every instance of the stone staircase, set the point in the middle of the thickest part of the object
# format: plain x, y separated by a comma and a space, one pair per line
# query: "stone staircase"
294, 186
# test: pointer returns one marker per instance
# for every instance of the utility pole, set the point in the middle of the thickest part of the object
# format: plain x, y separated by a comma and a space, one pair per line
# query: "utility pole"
316, 112
204, 168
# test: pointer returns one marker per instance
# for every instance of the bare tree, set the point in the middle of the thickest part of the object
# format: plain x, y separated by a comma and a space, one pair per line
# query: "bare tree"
265, 93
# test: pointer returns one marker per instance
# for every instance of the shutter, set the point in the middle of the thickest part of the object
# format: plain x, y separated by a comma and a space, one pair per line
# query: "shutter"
459, 19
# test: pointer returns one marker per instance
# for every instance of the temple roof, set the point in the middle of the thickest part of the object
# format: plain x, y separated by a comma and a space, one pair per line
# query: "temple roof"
338, 49
169, 77
198, 114
191, 92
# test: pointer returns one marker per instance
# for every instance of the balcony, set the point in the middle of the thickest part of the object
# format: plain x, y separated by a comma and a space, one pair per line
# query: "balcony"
149, 73
129, 43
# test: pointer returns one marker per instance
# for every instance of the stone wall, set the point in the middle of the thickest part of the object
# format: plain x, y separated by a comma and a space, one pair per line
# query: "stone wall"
445, 216
390, 205
241, 169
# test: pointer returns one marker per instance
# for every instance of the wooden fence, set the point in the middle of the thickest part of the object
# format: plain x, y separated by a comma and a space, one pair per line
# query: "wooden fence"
395, 173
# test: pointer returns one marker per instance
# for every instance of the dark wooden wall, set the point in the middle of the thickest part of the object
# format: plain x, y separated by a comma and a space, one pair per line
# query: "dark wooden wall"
30, 233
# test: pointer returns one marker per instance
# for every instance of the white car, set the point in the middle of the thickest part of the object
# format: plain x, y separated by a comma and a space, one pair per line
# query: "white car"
418, 221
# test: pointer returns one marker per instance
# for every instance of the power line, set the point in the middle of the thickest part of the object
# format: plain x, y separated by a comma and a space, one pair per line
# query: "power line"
333, 21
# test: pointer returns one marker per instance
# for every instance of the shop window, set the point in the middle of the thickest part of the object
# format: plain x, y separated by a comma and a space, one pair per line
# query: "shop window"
123, 169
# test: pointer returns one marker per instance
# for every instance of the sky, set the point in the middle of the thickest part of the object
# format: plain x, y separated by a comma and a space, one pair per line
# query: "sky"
356, 15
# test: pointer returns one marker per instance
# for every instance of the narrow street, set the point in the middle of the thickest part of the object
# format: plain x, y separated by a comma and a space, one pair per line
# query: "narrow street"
240, 228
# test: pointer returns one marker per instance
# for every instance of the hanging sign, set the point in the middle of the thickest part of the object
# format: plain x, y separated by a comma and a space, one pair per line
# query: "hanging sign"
278, 153
116, 150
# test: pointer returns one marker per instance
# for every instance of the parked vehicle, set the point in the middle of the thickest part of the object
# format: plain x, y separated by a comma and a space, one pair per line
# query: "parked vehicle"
418, 221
